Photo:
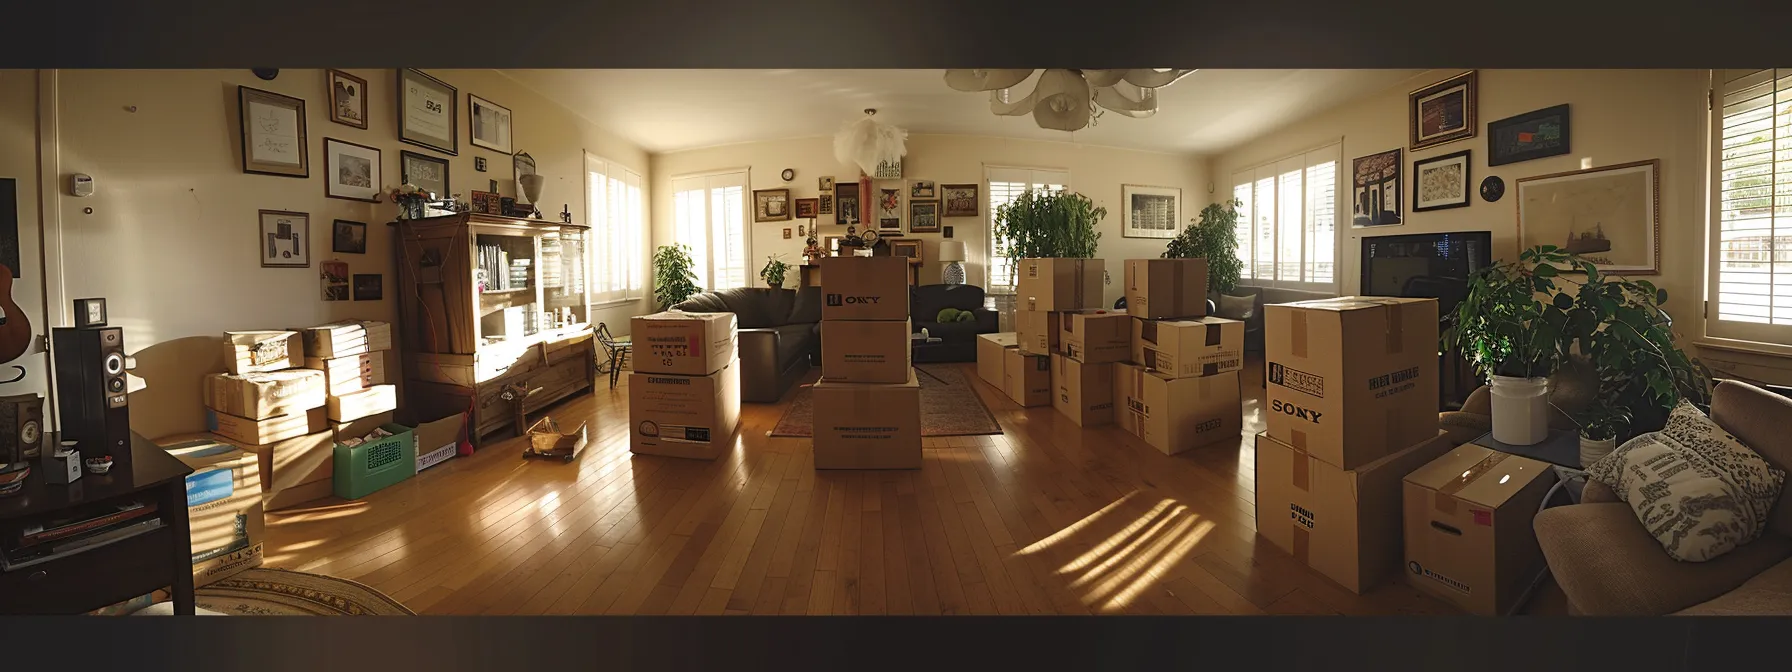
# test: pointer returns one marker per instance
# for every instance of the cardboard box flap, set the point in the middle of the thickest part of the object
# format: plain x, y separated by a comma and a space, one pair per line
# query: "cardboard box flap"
682, 316
1348, 303
1006, 339
1478, 475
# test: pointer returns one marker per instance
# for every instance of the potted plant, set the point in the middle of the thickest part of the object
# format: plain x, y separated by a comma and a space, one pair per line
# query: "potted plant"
1043, 224
673, 280
1214, 238
773, 273
1515, 338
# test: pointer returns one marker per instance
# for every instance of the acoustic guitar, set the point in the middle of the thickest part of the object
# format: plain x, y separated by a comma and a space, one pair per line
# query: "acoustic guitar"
15, 327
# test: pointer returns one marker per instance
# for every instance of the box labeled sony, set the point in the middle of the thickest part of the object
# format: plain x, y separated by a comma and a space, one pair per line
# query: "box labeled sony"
1177, 414
1083, 392
862, 351
686, 344
1095, 336
1353, 378
1189, 347
991, 356
1158, 288
1468, 528
868, 426
1059, 284
1027, 378
692, 417
864, 288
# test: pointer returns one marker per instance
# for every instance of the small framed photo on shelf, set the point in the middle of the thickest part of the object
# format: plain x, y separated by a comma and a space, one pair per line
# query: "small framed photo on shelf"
348, 237
285, 239
90, 312
351, 171
487, 202
274, 139
348, 99
908, 248
427, 112
489, 124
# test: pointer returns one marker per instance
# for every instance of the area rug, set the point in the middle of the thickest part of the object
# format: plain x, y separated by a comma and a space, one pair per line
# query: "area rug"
949, 407
279, 592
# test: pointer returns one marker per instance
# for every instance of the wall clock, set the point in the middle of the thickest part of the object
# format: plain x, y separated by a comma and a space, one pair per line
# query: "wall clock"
788, 174
1492, 188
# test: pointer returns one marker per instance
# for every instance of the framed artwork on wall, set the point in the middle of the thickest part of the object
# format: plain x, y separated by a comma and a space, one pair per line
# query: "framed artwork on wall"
1440, 182
825, 184
274, 139
351, 171
369, 287
806, 208
960, 200
1610, 215
488, 124
1532, 135
923, 189
824, 204
348, 237
335, 280
1443, 112
907, 248
924, 216
348, 99
427, 112
889, 209
1375, 189
1150, 212
427, 172
846, 203
771, 205
285, 239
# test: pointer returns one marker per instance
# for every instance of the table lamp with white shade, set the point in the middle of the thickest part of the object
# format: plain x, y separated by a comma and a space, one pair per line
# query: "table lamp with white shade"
952, 252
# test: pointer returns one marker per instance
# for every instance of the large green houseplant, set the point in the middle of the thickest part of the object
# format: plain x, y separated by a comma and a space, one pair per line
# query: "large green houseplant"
1048, 223
1214, 237
673, 279
1510, 325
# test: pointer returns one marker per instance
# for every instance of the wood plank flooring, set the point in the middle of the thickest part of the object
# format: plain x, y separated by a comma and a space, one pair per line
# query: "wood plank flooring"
1047, 518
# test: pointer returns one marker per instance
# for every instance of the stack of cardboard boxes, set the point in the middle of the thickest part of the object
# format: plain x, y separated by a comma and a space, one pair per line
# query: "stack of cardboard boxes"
684, 393
1180, 388
361, 408
271, 406
1048, 292
867, 405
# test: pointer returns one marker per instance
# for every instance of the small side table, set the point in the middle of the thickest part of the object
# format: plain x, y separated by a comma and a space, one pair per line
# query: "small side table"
1561, 449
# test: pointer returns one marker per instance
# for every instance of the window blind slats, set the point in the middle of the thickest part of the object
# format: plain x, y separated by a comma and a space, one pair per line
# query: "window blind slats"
1752, 243
1287, 225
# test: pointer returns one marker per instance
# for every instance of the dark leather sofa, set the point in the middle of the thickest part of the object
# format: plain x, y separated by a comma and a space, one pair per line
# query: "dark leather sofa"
780, 330
958, 340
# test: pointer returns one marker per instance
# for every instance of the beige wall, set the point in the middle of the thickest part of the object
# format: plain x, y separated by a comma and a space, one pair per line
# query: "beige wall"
171, 239
18, 162
1097, 172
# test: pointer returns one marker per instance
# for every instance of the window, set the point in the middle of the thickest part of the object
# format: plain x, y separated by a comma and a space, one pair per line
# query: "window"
1751, 241
616, 248
1287, 225
709, 213
1004, 185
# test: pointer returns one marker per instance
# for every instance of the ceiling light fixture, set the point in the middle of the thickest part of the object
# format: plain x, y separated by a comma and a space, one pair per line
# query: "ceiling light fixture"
1068, 100
868, 142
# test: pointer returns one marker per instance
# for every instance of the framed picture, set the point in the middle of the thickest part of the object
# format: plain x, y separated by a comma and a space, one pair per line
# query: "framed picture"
889, 209
427, 112
771, 205
427, 172
825, 184
1375, 189
1610, 215
824, 204
274, 140
923, 216
348, 99
348, 237
335, 280
846, 203
807, 208
1443, 112
908, 248
489, 124
1532, 135
960, 199
787, 233
1151, 212
923, 189
1440, 182
369, 287
285, 239
487, 202
351, 171
948, 232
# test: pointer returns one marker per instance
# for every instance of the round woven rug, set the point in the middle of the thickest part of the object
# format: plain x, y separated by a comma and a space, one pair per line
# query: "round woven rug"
280, 592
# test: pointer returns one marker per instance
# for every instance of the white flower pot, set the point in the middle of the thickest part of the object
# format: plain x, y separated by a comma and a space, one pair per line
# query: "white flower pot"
1520, 410
1591, 450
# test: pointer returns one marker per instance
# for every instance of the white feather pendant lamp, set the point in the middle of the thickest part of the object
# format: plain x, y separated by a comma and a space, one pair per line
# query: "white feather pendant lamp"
1063, 101
867, 142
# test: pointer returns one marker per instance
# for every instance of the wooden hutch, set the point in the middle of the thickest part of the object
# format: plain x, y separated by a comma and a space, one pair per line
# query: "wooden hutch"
492, 312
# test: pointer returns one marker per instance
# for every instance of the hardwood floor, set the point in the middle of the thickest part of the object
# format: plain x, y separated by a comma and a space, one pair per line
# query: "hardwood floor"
1047, 518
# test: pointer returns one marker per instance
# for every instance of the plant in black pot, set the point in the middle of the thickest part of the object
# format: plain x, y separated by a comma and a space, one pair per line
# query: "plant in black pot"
1510, 326
1044, 224
673, 279
1213, 237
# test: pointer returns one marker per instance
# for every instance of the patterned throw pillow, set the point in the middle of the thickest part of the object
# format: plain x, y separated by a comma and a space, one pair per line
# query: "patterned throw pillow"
1235, 307
1697, 489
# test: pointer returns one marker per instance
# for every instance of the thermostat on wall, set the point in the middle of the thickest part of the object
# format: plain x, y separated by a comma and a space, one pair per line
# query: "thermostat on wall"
80, 184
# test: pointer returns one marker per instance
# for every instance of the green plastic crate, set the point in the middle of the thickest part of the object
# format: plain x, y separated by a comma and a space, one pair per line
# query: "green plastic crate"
365, 469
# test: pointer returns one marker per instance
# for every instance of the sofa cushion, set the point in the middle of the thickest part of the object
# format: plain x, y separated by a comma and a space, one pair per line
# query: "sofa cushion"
1236, 307
805, 306
1696, 488
1768, 594
1608, 565
1758, 418
794, 341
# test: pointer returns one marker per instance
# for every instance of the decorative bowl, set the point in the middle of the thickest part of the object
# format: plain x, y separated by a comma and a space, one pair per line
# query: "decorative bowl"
98, 465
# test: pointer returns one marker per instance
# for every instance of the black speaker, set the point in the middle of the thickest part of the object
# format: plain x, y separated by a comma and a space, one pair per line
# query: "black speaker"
91, 390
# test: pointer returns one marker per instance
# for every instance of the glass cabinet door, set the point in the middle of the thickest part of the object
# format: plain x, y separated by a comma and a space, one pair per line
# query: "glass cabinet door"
509, 293
564, 275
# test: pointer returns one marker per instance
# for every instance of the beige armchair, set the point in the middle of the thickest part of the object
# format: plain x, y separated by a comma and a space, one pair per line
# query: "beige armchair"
1608, 564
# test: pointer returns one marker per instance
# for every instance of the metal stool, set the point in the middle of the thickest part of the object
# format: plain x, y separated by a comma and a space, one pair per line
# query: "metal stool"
617, 349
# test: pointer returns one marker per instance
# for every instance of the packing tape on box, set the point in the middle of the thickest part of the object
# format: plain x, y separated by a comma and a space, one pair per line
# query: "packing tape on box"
1445, 502
1212, 335
1303, 472
1395, 330
1298, 441
1148, 331
1176, 286
1301, 552
1297, 333
1078, 275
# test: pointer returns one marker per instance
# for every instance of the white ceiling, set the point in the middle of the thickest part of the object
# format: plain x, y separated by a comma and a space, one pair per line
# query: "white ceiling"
669, 110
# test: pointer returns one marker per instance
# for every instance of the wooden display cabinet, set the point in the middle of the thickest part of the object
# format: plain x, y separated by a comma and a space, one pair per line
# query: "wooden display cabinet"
492, 312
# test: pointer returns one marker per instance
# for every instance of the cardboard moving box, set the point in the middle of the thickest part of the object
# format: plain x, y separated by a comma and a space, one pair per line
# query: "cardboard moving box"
864, 288
1343, 524
348, 337
1027, 378
864, 351
1059, 284
1351, 379
684, 416
439, 440
991, 358
1468, 528
264, 394
685, 344
250, 351
1083, 392
1189, 347
266, 430
347, 375
357, 405
1177, 414
1157, 288
868, 426
1036, 332
1095, 336
224, 514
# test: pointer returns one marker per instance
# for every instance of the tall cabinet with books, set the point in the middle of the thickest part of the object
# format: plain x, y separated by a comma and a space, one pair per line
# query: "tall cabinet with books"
493, 316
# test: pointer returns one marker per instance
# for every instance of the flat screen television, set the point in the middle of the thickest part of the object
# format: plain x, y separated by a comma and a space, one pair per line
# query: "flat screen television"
1433, 265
